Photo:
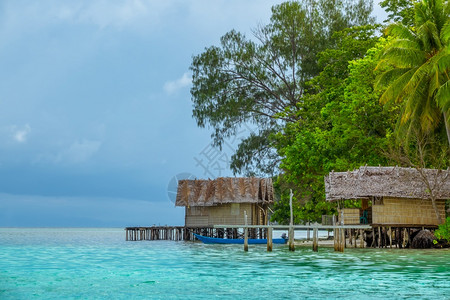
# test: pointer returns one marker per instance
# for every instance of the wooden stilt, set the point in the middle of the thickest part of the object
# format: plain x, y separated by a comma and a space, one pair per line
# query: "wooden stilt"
245, 232
379, 237
342, 239
345, 238
335, 235
291, 225
315, 240
336, 239
405, 238
390, 237
361, 236
269, 239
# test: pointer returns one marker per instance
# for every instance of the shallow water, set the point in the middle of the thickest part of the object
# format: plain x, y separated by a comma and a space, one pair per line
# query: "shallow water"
99, 264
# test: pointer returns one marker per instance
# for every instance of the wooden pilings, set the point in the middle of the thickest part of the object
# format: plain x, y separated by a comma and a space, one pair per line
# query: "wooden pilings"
183, 233
171, 233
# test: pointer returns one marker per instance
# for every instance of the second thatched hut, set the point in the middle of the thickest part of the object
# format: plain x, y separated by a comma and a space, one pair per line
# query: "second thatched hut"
224, 201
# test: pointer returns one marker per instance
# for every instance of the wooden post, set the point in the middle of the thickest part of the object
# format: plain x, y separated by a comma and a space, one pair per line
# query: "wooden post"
308, 232
269, 239
336, 239
315, 240
291, 225
346, 233
390, 237
335, 234
245, 232
341, 242
379, 237
405, 238
361, 236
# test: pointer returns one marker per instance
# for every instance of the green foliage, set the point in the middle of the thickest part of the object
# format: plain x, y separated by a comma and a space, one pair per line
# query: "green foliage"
443, 232
416, 69
342, 127
256, 80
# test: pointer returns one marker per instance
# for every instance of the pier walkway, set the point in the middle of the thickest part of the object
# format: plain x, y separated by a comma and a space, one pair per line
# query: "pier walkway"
183, 233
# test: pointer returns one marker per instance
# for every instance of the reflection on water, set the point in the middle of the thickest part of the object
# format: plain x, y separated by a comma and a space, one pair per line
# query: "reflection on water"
98, 264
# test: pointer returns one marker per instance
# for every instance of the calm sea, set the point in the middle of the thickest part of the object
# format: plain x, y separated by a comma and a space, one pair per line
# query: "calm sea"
100, 264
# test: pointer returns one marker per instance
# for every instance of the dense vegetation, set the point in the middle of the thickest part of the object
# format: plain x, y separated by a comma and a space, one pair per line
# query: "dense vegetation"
329, 90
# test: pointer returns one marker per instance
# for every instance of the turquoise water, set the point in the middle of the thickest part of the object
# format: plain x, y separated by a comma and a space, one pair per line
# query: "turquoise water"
100, 264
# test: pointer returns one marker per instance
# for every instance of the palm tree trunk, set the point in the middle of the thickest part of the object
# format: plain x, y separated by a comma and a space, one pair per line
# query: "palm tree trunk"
447, 127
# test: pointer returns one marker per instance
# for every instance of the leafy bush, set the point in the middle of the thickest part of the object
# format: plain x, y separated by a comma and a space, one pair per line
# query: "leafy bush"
443, 232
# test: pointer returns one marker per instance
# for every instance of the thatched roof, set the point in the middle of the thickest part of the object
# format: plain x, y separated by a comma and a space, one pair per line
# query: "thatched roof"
224, 190
396, 182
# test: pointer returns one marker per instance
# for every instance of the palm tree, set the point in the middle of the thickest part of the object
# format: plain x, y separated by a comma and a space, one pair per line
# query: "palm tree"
417, 67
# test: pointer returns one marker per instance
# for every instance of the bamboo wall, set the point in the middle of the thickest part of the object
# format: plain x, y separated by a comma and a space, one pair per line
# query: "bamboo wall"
351, 216
407, 211
229, 214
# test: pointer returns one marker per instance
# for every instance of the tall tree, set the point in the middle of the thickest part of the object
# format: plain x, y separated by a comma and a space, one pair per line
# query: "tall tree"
417, 63
257, 80
341, 127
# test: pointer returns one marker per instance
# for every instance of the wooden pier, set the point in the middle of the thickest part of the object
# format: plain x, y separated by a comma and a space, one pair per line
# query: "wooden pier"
342, 233
183, 233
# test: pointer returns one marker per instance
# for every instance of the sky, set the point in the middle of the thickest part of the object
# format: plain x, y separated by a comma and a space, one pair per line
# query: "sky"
95, 112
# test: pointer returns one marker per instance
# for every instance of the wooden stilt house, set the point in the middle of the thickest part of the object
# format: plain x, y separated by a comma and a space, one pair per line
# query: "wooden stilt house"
224, 200
390, 196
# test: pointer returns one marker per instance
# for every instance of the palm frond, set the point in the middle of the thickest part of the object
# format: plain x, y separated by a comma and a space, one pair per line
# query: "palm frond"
443, 96
438, 13
394, 90
430, 115
441, 61
384, 79
445, 33
430, 36
404, 57
406, 43
420, 13
420, 74
421, 108
400, 31
447, 8
434, 83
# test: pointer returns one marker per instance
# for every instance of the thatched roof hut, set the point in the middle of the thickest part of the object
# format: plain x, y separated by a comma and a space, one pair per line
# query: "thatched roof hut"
225, 201
367, 182
398, 196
